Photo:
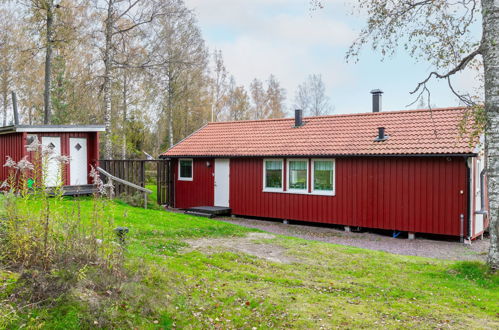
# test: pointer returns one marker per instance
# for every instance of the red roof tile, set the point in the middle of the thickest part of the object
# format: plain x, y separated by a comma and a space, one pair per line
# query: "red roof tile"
410, 132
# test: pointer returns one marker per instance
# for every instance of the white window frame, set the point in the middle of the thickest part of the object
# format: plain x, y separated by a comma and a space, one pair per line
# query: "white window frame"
297, 191
180, 177
323, 192
265, 189
28, 136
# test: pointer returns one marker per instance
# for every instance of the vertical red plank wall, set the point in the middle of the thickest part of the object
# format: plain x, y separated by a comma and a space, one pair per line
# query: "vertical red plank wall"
10, 145
14, 145
199, 191
419, 194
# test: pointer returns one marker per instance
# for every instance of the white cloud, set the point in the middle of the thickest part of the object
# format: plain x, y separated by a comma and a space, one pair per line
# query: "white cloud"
249, 58
281, 37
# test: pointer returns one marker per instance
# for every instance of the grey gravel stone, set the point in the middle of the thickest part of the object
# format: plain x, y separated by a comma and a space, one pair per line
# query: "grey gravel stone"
423, 247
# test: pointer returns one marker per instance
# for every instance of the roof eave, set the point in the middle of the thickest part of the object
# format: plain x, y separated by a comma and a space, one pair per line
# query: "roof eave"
469, 154
51, 128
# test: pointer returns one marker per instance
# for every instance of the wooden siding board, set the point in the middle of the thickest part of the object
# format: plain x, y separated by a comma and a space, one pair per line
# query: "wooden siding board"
10, 145
408, 194
200, 191
419, 196
14, 145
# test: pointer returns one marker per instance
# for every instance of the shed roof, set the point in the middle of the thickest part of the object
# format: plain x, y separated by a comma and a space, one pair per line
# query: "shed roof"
51, 128
411, 132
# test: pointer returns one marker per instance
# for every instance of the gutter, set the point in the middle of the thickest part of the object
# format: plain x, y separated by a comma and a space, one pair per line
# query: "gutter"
468, 160
163, 156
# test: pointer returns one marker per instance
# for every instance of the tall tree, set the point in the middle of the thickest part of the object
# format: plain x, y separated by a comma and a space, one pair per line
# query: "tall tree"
7, 59
258, 99
52, 27
238, 102
276, 95
182, 52
218, 86
44, 11
121, 17
441, 33
49, 8
311, 97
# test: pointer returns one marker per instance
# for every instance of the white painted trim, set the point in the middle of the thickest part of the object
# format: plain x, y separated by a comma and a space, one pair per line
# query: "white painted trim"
222, 182
297, 191
180, 178
324, 192
265, 175
59, 129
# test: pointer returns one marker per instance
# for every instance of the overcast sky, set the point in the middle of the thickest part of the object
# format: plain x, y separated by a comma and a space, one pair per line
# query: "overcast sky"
283, 37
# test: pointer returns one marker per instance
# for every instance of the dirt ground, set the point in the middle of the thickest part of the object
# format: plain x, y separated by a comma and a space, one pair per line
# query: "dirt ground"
424, 247
248, 244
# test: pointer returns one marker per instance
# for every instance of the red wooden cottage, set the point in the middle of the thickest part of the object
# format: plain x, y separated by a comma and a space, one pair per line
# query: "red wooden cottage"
407, 171
80, 143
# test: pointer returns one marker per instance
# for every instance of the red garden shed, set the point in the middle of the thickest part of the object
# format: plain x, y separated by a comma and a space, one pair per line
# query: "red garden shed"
408, 171
80, 143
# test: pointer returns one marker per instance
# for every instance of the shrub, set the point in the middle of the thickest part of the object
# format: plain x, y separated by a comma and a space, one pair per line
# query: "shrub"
53, 247
136, 199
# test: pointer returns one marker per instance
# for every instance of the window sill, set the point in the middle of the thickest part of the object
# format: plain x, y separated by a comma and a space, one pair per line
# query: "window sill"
272, 190
184, 179
297, 192
323, 193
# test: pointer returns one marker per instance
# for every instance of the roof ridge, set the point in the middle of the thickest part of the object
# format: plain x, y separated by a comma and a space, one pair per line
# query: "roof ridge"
342, 115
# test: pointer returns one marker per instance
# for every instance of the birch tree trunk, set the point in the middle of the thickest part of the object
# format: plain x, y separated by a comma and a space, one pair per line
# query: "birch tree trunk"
170, 120
108, 148
125, 114
47, 102
490, 45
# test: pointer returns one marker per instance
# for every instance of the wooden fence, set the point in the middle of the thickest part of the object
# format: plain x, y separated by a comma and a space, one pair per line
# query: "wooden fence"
139, 172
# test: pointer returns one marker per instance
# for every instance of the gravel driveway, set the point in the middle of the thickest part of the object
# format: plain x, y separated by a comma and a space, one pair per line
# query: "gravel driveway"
441, 249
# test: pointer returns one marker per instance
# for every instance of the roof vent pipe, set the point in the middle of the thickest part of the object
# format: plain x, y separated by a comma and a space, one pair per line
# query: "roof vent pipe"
298, 117
381, 135
376, 99
14, 108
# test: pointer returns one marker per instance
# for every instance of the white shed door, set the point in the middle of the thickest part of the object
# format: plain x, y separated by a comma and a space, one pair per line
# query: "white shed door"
52, 175
222, 174
78, 165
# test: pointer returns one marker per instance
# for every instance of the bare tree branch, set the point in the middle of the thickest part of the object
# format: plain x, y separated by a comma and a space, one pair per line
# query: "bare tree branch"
461, 66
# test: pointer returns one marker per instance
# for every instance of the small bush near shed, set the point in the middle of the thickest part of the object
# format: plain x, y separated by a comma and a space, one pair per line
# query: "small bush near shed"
54, 249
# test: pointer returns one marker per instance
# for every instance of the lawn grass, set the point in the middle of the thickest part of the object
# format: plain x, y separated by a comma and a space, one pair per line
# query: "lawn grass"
329, 286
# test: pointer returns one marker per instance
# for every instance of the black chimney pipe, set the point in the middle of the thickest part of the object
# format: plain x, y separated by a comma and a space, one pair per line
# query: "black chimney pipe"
298, 117
376, 99
381, 133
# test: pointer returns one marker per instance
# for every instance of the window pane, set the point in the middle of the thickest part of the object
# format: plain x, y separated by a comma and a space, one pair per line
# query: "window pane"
298, 165
323, 175
273, 174
186, 169
273, 164
297, 174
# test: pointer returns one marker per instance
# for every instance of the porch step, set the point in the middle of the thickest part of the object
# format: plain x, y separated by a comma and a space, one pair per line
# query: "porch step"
87, 189
208, 211
199, 214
